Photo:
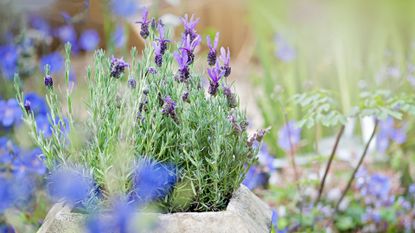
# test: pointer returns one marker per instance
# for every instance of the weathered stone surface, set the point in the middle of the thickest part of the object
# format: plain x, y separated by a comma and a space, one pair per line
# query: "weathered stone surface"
246, 213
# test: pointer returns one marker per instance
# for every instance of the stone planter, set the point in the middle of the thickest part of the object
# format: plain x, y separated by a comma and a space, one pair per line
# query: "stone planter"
245, 213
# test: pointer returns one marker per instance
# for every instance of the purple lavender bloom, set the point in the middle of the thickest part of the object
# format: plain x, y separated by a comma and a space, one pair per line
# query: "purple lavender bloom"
144, 24
71, 184
189, 27
225, 57
48, 81
153, 180
89, 40
158, 56
215, 74
169, 107
9, 57
151, 70
230, 96
185, 96
10, 113
27, 106
132, 83
211, 58
118, 37
284, 51
37, 103
289, 136
124, 8
55, 61
66, 34
189, 46
183, 72
118, 66
162, 40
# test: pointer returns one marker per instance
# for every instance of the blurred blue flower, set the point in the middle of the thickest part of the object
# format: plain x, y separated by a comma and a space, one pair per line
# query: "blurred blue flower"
119, 37
411, 190
31, 163
289, 136
73, 185
379, 186
265, 158
66, 33
284, 51
10, 113
124, 8
55, 60
89, 40
388, 132
6, 195
255, 178
37, 103
153, 180
40, 24
8, 63
44, 126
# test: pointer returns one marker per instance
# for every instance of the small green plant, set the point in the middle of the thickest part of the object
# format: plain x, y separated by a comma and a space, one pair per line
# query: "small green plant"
153, 109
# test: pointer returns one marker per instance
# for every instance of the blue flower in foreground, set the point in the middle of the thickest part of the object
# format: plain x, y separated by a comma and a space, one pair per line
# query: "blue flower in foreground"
89, 40
124, 8
37, 103
10, 113
73, 185
8, 63
153, 180
55, 61
284, 51
289, 136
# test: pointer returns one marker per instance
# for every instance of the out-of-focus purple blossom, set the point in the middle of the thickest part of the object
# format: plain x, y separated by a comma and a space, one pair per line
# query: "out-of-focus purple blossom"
379, 186
189, 27
55, 61
27, 106
183, 72
144, 32
211, 58
10, 113
8, 63
289, 136
169, 108
388, 132
6, 195
189, 46
257, 137
73, 185
44, 126
132, 83
66, 33
215, 74
255, 178
153, 180
40, 24
411, 190
118, 66
393, 72
411, 79
284, 51
185, 96
151, 70
162, 39
230, 97
158, 56
37, 103
118, 37
225, 57
89, 40
124, 8
265, 158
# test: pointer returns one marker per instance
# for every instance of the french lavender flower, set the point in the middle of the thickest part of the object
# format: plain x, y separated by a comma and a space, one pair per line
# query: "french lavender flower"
48, 81
225, 57
183, 73
215, 74
169, 108
185, 97
235, 125
188, 46
89, 40
153, 180
257, 136
230, 97
132, 83
289, 136
144, 25
161, 39
71, 184
211, 58
10, 113
189, 27
284, 51
55, 61
151, 70
118, 66
27, 106
158, 56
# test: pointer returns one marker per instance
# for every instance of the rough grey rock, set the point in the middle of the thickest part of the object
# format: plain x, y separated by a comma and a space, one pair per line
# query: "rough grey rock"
246, 213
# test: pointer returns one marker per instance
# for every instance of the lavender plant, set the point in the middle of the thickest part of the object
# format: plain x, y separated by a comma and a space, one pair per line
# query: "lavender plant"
163, 114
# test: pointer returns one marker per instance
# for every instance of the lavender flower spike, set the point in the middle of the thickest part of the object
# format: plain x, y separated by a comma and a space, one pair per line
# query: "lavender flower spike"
225, 57
118, 66
169, 108
189, 27
215, 75
211, 58
48, 81
158, 56
144, 24
162, 40
183, 72
189, 46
